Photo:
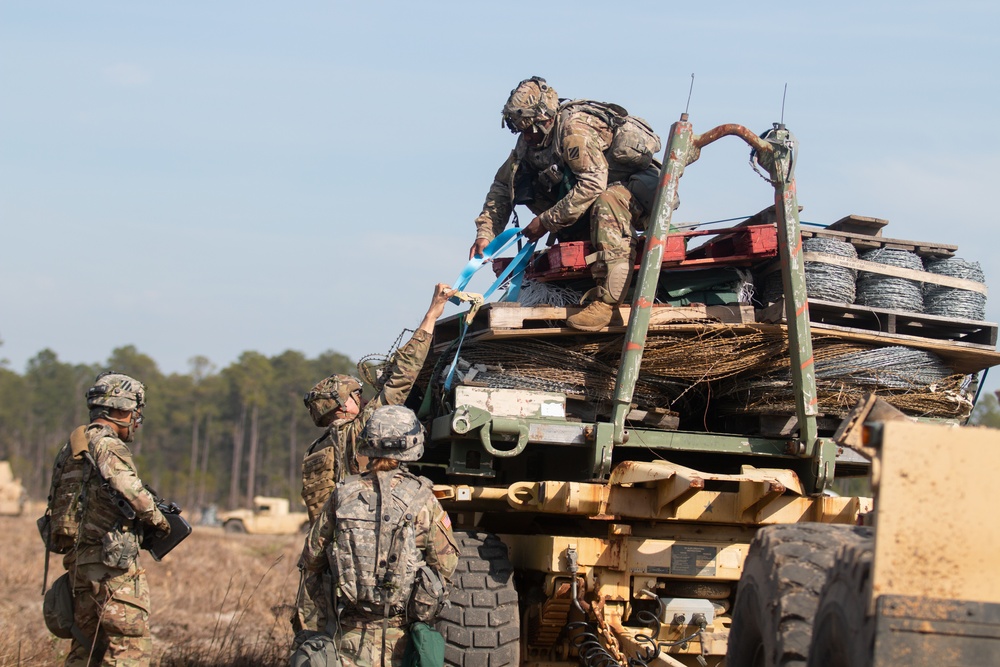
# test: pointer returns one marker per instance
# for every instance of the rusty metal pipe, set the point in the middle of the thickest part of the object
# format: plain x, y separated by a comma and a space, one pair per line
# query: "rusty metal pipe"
732, 129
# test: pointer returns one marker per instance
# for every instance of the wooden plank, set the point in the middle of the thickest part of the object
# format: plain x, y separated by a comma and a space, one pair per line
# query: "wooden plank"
859, 224
515, 317
895, 271
871, 242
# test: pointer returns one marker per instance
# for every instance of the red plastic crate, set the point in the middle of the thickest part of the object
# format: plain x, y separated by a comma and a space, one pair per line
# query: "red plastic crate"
749, 241
570, 258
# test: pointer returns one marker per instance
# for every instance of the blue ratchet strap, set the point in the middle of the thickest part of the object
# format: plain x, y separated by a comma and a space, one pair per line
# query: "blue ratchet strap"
514, 271
496, 246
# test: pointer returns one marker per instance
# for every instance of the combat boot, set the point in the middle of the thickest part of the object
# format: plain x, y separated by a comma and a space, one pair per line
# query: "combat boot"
594, 317
609, 291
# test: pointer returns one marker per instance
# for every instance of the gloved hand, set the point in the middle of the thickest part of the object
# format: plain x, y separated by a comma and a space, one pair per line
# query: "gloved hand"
161, 523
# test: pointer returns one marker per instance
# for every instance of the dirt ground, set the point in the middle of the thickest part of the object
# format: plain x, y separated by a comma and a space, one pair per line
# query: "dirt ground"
217, 599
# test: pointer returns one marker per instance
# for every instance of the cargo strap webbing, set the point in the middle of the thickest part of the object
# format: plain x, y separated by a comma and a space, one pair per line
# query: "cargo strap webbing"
514, 271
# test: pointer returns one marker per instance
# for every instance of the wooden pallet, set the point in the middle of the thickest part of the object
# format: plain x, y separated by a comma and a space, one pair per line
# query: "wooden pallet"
865, 242
894, 322
497, 318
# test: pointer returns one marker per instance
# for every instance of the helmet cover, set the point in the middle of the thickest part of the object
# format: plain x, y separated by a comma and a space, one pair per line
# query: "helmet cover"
531, 102
330, 394
118, 391
392, 432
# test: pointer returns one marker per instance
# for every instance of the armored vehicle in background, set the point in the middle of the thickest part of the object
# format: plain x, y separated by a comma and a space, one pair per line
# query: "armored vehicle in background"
12, 494
269, 516
662, 492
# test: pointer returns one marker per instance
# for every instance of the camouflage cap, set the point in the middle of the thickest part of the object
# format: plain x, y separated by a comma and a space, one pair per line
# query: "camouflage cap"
533, 100
330, 394
116, 390
392, 432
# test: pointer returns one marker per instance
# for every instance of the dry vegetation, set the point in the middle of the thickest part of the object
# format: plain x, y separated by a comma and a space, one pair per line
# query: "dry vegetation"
218, 599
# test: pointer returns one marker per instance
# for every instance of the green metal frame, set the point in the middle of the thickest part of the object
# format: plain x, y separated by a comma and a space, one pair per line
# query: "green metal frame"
775, 153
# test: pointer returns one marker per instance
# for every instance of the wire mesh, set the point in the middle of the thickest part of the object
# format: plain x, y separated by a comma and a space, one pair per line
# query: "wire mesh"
828, 281
951, 301
881, 291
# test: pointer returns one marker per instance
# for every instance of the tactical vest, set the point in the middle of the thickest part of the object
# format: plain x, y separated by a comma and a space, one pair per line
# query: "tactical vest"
634, 144
374, 556
100, 513
321, 470
60, 525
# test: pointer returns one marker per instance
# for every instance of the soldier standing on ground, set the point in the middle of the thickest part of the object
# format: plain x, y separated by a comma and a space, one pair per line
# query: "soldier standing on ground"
110, 593
385, 545
582, 176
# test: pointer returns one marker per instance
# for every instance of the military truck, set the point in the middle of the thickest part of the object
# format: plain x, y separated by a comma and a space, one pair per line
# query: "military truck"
615, 508
12, 494
269, 516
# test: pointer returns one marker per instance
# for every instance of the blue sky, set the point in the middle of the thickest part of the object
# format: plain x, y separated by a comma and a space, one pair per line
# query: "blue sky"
204, 178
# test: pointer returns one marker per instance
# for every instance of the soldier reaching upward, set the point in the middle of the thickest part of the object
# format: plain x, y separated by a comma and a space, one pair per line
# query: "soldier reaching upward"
335, 403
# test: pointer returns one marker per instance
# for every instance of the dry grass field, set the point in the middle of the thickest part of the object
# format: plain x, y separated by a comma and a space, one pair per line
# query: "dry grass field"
217, 599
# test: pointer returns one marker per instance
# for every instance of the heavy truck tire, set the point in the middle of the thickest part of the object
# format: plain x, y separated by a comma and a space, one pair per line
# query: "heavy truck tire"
234, 526
784, 573
844, 633
481, 626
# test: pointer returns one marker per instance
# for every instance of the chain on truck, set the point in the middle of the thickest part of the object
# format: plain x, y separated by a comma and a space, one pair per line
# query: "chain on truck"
610, 512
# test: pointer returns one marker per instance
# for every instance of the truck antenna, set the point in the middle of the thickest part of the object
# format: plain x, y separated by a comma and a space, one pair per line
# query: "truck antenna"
783, 94
690, 90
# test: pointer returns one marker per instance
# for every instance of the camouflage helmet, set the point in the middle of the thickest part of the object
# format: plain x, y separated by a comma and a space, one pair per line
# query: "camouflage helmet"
392, 432
330, 394
118, 391
531, 102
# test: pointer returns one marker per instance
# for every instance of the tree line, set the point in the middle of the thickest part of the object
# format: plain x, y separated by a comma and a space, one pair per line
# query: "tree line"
208, 437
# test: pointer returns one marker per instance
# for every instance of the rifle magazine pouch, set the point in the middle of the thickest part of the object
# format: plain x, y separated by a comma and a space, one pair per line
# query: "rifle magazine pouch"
119, 547
428, 596
57, 608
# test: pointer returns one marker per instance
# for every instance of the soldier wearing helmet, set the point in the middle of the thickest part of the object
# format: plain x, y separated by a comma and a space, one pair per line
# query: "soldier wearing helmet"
567, 168
384, 547
335, 403
111, 596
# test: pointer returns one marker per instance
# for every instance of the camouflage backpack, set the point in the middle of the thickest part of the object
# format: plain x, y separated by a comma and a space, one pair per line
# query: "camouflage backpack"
60, 525
375, 558
634, 145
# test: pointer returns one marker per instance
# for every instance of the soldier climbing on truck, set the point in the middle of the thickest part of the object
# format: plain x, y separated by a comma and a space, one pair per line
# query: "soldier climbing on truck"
586, 169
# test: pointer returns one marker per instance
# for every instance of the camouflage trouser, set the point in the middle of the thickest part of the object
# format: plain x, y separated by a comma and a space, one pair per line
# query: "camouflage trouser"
111, 607
619, 211
611, 217
359, 645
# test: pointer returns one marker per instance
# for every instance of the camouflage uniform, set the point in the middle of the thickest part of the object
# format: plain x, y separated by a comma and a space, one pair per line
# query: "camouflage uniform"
567, 177
343, 433
360, 631
111, 596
